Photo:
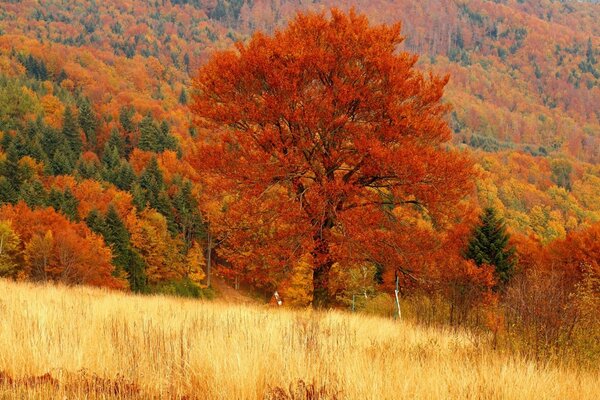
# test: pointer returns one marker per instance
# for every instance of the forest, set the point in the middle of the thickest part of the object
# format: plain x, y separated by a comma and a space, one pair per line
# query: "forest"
112, 173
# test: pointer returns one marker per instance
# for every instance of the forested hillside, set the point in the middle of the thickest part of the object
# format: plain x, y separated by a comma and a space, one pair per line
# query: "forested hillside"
99, 179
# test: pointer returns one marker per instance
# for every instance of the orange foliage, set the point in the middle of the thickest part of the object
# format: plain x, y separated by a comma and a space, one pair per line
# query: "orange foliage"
71, 253
333, 131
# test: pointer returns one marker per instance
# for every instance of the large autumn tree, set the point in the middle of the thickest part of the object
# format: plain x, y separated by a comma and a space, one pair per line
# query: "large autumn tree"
324, 141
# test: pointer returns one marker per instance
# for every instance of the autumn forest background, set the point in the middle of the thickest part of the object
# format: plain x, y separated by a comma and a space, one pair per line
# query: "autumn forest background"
105, 177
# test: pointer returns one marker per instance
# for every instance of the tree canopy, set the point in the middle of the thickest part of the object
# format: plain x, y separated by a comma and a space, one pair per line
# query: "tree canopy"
329, 137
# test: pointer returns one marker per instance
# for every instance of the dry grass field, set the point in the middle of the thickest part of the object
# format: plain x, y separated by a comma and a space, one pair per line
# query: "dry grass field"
58, 342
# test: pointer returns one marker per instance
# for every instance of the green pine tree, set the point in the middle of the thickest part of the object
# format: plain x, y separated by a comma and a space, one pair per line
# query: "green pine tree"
8, 194
88, 169
33, 193
64, 202
117, 237
95, 222
152, 180
71, 134
139, 196
10, 168
187, 214
88, 122
149, 135
51, 141
61, 163
110, 163
125, 177
489, 245
166, 140
117, 141
183, 97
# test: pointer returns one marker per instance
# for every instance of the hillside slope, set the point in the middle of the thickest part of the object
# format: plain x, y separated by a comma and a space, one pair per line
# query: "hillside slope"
60, 342
523, 72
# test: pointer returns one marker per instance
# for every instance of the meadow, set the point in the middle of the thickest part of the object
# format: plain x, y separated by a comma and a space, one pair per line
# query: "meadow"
64, 342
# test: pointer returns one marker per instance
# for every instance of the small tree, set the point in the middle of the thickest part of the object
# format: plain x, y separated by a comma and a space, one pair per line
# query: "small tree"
9, 248
489, 245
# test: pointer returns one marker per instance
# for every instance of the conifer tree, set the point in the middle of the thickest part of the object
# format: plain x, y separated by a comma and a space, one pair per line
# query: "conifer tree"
88, 122
117, 141
187, 214
110, 163
155, 138
125, 119
153, 184
126, 258
51, 141
183, 97
149, 135
7, 193
125, 176
166, 140
64, 202
152, 180
33, 193
95, 222
89, 169
10, 169
70, 131
489, 245
139, 196
61, 163
116, 235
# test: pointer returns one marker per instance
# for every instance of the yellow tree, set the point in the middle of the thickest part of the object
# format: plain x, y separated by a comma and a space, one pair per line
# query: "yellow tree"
195, 263
9, 249
161, 252
39, 256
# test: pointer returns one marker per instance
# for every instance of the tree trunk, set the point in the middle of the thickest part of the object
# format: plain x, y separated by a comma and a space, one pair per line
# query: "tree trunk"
323, 261
208, 257
321, 297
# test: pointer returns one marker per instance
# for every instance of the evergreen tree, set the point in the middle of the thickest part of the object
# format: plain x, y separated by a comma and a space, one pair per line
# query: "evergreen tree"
187, 215
137, 272
61, 163
125, 176
70, 132
117, 237
561, 173
149, 135
10, 169
153, 185
591, 58
155, 138
166, 140
110, 163
64, 202
183, 97
95, 222
51, 141
6, 141
139, 196
70, 205
33, 193
8, 194
126, 119
152, 180
88, 122
88, 169
117, 141
489, 245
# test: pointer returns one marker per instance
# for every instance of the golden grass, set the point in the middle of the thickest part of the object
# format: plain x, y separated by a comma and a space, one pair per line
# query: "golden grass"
97, 344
